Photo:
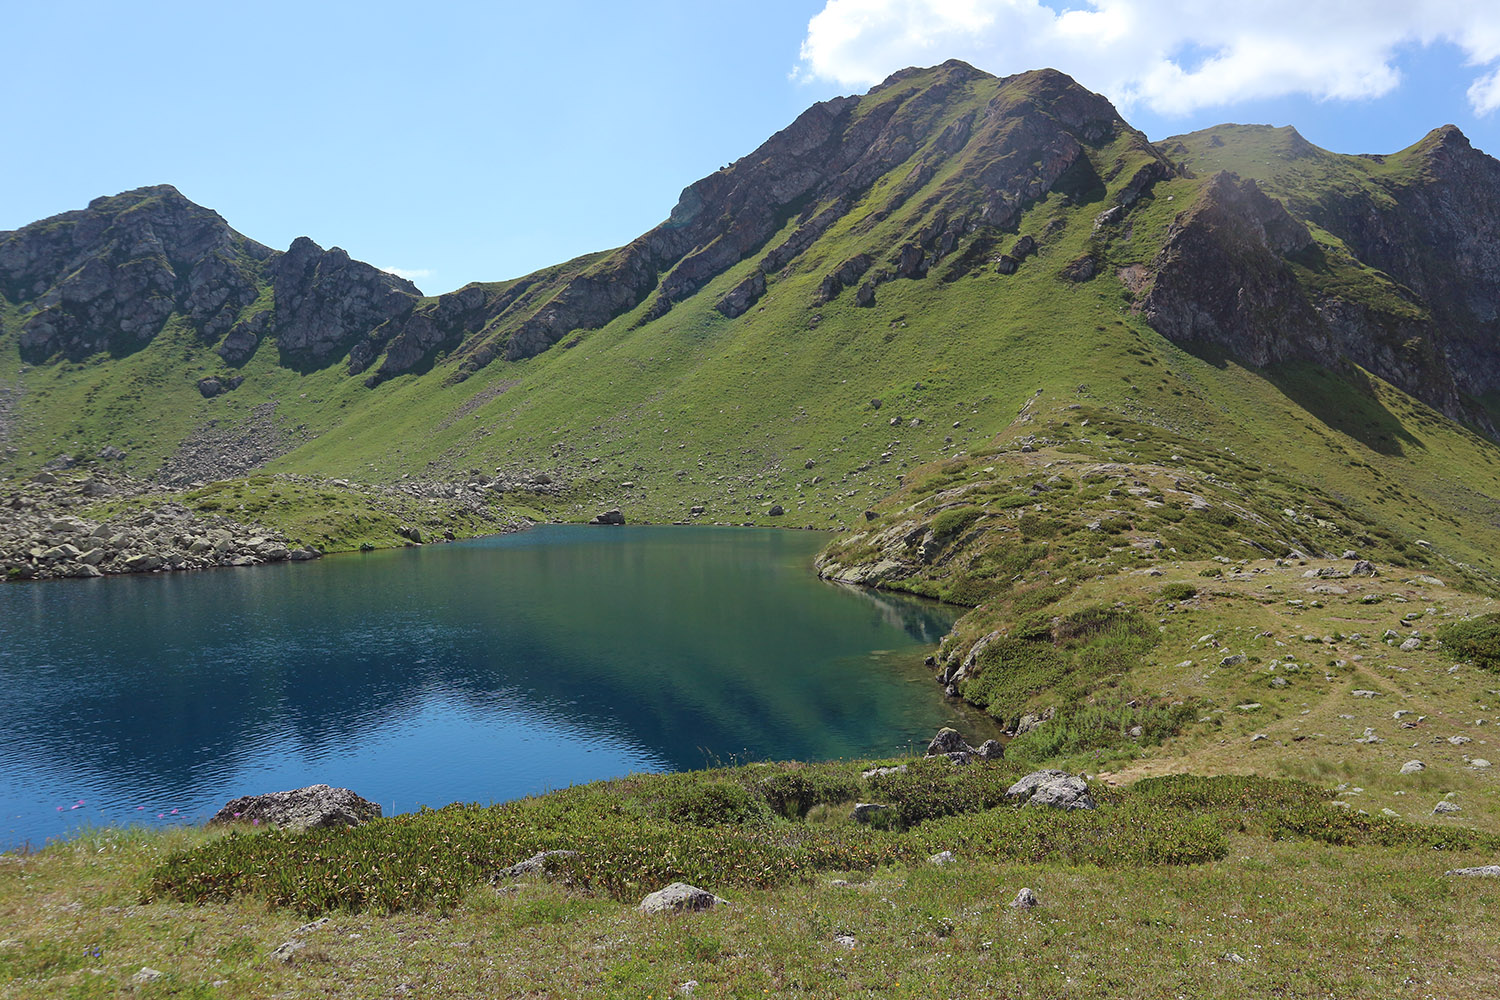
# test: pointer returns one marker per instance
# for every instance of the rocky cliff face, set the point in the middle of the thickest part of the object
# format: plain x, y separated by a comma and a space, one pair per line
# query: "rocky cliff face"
1241, 272
926, 177
107, 278
1012, 141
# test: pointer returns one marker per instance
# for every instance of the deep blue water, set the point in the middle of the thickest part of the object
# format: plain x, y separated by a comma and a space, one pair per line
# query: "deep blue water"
478, 671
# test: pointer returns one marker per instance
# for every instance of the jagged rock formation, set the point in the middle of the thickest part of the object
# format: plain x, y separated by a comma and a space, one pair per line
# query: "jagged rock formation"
109, 277
1388, 263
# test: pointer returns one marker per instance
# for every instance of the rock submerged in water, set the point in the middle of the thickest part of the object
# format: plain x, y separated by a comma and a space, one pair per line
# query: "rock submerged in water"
313, 807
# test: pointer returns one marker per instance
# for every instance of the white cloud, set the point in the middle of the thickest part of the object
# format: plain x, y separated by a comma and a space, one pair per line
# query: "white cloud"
1172, 56
409, 273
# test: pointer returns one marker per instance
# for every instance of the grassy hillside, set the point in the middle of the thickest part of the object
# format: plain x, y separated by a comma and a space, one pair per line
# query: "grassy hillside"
1207, 887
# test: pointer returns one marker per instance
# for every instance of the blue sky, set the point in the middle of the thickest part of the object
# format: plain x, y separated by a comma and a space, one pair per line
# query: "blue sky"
470, 141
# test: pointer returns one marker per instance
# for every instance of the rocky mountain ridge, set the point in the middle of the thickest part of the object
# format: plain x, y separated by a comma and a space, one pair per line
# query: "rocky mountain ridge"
952, 153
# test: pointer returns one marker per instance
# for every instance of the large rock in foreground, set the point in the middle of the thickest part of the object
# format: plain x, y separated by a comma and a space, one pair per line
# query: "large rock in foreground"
313, 807
680, 896
1057, 789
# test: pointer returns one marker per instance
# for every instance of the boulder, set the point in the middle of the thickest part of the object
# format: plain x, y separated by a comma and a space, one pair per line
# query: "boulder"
1481, 871
948, 743
1363, 567
1413, 767
313, 807
680, 896
1025, 900
537, 864
945, 742
609, 517
1057, 789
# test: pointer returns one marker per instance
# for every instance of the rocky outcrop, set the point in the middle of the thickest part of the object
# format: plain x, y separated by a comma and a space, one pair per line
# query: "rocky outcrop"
41, 537
106, 278
313, 807
1226, 279
325, 302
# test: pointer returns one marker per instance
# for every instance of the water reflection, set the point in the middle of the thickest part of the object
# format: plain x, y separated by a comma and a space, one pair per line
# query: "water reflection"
479, 671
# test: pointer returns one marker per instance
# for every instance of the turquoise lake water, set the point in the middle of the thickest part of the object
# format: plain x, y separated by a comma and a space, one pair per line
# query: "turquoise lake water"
478, 671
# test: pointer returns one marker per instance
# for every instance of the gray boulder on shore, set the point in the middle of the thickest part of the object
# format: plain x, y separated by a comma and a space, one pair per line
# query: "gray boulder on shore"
313, 807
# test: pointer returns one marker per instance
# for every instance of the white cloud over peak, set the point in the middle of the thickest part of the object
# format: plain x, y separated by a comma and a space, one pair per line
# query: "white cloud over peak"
1172, 56
409, 273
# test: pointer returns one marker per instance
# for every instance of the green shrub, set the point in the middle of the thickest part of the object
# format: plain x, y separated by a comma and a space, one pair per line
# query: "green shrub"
951, 522
1476, 639
1179, 592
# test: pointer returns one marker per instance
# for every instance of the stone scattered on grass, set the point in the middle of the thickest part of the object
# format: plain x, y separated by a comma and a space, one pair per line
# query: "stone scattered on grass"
1412, 767
535, 865
1025, 900
1479, 762
876, 772
1482, 871
146, 975
1459, 741
1057, 789
284, 951
679, 897
1445, 808
943, 858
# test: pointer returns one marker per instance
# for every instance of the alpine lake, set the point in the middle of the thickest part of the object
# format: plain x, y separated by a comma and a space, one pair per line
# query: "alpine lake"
477, 671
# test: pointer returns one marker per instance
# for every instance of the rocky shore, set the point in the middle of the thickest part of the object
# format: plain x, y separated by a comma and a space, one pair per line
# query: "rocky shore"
44, 535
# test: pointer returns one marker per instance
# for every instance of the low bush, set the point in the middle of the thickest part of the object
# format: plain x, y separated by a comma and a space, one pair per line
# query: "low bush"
1476, 639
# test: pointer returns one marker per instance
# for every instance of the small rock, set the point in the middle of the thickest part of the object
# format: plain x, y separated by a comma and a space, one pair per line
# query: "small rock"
146, 975
876, 772
1233, 958
1025, 900
284, 951
680, 896
687, 988
609, 517
1233, 660
1411, 644
1413, 767
845, 941
1444, 808
534, 865
1479, 762
942, 858
1459, 741
1363, 693
1483, 871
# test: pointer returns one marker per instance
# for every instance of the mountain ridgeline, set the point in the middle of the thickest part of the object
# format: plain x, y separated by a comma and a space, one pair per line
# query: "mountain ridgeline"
1257, 263
886, 282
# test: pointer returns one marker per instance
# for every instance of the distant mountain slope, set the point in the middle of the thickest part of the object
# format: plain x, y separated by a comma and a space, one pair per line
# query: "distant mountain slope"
882, 284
